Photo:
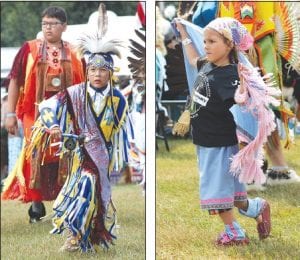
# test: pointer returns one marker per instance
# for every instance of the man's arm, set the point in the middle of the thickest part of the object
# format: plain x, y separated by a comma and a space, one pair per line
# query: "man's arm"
17, 79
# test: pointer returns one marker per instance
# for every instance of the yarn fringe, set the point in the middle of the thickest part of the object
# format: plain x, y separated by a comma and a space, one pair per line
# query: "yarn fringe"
247, 163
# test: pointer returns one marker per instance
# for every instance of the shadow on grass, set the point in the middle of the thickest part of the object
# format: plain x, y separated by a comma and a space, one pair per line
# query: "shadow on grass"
267, 249
287, 194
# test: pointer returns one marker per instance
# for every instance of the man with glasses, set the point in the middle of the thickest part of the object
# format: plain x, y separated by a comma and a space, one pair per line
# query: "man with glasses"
41, 68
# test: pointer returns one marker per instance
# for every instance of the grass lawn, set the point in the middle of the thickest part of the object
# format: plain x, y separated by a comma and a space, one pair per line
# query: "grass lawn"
21, 240
183, 231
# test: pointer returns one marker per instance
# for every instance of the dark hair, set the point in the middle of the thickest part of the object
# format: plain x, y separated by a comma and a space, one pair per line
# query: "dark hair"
55, 12
233, 56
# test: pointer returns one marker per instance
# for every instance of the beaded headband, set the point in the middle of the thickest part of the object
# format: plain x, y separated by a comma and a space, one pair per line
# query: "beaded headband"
101, 60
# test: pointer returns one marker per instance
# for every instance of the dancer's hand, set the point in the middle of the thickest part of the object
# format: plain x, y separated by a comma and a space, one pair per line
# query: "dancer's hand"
242, 71
180, 28
55, 134
11, 124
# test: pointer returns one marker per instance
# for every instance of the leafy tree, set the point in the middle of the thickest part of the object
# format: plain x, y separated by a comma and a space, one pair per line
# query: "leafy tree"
20, 21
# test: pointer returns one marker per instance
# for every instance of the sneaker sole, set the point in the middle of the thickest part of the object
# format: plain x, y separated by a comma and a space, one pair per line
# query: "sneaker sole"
243, 242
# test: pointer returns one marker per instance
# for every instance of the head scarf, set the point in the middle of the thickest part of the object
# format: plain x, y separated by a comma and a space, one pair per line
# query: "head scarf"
232, 30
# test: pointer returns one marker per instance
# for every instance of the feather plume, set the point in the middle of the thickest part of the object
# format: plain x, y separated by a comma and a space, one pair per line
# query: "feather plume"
96, 43
102, 21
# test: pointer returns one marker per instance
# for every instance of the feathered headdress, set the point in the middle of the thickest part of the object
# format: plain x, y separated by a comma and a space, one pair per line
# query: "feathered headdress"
95, 49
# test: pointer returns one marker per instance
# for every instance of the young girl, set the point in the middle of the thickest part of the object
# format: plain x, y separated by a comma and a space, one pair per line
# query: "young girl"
215, 90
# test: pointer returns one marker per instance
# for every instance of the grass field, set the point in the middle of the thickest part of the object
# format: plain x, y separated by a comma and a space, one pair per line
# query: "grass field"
21, 240
183, 231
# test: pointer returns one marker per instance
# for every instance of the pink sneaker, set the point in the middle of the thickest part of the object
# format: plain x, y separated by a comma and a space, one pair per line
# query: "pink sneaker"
225, 240
264, 227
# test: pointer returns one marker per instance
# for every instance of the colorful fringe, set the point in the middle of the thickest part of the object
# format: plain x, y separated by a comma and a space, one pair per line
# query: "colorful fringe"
76, 209
246, 164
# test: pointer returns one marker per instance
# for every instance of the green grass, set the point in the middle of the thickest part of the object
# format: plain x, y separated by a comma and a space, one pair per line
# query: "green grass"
183, 231
21, 240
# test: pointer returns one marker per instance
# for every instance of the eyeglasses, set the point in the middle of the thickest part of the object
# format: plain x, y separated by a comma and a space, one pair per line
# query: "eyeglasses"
52, 25
95, 70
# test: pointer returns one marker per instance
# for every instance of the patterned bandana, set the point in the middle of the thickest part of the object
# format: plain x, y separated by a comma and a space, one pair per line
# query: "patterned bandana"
101, 60
233, 30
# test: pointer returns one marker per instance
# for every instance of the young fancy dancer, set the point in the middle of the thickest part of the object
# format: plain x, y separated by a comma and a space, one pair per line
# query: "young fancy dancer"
96, 113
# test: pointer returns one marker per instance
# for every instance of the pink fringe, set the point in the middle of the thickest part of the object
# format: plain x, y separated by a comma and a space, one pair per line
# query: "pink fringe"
246, 164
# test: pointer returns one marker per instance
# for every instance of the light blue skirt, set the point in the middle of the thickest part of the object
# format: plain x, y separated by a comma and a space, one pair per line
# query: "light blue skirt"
218, 187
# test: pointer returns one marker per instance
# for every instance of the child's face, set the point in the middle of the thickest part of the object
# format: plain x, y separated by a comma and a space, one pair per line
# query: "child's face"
217, 51
52, 29
98, 77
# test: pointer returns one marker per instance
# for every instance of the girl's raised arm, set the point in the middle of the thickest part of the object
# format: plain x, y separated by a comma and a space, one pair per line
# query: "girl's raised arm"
192, 54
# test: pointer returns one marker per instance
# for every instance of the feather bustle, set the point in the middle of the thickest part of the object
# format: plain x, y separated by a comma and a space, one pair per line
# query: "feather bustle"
137, 63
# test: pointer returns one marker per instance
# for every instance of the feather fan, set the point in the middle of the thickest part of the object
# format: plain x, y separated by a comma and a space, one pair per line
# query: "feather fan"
287, 32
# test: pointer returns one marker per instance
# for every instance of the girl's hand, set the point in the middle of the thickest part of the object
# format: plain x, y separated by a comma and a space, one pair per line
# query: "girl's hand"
180, 27
241, 93
242, 71
55, 133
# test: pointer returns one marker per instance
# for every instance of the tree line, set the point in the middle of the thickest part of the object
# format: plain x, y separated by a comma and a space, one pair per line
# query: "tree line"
21, 21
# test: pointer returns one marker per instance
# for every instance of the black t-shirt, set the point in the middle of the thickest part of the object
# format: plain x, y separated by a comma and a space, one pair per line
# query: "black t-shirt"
212, 122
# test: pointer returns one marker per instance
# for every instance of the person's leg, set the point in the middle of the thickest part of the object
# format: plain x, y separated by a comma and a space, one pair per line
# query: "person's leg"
37, 208
233, 234
36, 211
227, 217
217, 191
274, 150
279, 173
259, 209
